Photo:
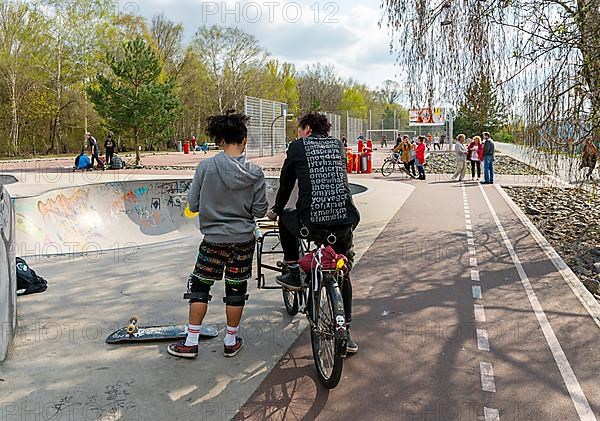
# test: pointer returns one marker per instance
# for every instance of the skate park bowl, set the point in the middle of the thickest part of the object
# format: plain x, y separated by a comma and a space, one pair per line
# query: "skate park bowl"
8, 274
118, 215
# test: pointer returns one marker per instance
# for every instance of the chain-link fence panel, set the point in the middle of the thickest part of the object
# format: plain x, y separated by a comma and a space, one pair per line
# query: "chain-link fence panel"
266, 127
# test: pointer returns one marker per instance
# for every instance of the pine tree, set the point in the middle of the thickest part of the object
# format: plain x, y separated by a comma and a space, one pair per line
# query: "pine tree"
133, 100
480, 111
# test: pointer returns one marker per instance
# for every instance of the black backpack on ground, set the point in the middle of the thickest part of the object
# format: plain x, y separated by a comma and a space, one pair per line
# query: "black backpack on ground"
28, 282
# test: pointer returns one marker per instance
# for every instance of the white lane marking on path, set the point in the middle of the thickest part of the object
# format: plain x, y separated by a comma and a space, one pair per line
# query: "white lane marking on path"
479, 313
476, 292
482, 340
475, 275
488, 384
472, 251
473, 262
585, 297
470, 234
471, 242
582, 406
491, 414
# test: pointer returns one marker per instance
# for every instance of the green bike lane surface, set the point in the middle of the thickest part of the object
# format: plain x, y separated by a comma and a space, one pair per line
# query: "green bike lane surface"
414, 321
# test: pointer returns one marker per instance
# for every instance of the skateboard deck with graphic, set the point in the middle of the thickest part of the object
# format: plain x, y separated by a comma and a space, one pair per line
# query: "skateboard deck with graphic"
135, 333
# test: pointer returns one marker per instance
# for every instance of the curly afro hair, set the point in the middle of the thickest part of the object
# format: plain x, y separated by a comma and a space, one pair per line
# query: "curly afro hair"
317, 122
229, 128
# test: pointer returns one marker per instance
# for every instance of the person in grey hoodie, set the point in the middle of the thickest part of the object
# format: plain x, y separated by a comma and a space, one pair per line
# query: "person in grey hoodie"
228, 192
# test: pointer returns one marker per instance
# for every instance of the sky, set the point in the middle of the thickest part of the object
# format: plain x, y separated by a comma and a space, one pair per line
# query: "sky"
341, 33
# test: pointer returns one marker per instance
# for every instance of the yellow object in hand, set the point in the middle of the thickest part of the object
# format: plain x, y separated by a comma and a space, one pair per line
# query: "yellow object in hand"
188, 213
340, 264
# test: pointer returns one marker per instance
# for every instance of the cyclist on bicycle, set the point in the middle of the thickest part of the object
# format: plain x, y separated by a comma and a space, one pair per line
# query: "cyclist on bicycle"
324, 207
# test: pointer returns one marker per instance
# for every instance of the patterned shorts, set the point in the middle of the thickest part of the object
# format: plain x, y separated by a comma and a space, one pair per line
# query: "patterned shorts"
214, 260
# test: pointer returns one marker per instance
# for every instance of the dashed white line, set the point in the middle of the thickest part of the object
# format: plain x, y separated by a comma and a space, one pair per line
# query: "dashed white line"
472, 251
479, 313
473, 262
483, 344
475, 275
577, 396
488, 384
491, 414
470, 234
471, 242
476, 289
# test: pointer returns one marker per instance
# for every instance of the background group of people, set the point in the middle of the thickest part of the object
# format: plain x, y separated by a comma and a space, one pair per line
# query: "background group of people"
83, 162
412, 155
475, 150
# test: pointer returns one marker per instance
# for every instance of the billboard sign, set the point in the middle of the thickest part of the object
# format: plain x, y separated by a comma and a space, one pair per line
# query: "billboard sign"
427, 117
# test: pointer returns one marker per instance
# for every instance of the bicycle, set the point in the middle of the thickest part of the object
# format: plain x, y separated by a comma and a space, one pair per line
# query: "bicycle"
389, 165
320, 299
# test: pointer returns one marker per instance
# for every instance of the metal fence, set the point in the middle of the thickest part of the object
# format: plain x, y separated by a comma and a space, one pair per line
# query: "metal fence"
336, 124
266, 128
354, 128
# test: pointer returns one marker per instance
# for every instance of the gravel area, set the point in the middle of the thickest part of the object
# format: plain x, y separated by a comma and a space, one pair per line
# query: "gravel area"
569, 218
445, 163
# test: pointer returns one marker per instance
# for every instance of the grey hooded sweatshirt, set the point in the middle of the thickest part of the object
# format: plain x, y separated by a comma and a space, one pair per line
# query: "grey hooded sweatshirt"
228, 193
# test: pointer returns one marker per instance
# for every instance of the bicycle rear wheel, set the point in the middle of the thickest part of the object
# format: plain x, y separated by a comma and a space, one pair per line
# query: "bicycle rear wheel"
329, 343
388, 168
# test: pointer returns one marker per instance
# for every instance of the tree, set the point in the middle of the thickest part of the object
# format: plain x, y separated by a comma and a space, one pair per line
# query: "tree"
320, 89
133, 100
231, 58
20, 42
167, 35
390, 92
543, 51
354, 103
480, 111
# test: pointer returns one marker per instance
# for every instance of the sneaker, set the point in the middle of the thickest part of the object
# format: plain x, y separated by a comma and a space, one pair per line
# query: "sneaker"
351, 347
181, 350
290, 280
232, 351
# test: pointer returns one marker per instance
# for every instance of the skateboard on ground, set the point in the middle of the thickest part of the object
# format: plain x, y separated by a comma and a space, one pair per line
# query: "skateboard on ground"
135, 333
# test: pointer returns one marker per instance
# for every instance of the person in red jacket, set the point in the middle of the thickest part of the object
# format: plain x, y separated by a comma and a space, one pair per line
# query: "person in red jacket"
475, 156
421, 157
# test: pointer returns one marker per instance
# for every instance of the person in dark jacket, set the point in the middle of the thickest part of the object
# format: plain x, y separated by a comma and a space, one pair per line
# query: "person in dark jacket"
109, 146
93, 143
324, 206
489, 153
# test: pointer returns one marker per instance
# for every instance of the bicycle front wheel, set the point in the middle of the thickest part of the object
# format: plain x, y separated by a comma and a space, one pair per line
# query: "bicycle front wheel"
328, 344
388, 168
290, 300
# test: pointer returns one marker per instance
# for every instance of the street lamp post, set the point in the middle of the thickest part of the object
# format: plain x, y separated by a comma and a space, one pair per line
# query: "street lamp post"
283, 114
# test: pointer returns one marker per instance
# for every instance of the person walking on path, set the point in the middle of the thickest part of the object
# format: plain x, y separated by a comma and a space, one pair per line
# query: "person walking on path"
384, 141
420, 157
589, 156
93, 144
229, 193
489, 154
475, 157
436, 143
461, 158
109, 147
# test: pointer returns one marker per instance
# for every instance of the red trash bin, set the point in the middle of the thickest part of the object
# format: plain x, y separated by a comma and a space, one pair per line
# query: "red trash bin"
361, 146
370, 145
186, 147
369, 155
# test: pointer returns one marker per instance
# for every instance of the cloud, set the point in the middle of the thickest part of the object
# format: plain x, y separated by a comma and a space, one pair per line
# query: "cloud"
345, 35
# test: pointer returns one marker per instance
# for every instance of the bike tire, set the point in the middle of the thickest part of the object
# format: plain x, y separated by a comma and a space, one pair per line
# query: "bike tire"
388, 168
290, 300
329, 307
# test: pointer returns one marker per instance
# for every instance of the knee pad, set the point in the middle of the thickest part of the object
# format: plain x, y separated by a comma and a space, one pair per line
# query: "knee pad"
198, 292
235, 294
